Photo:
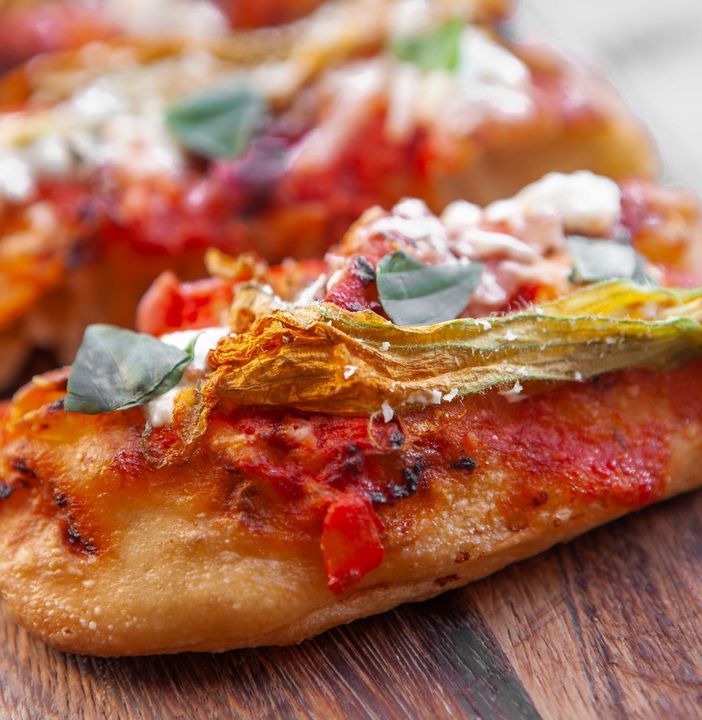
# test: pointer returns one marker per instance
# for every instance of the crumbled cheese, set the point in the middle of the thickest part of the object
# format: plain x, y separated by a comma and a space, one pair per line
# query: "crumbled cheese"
387, 411
428, 228
412, 209
587, 203
460, 215
485, 324
50, 156
16, 179
98, 101
349, 371
450, 396
578, 376
483, 60
427, 235
479, 244
510, 336
409, 17
514, 393
385, 346
489, 292
425, 397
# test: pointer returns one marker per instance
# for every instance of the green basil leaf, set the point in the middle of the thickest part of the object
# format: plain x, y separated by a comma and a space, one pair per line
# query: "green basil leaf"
595, 260
439, 49
413, 293
218, 123
116, 369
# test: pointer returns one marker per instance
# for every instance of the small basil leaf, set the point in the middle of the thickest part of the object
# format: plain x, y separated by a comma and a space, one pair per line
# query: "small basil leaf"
413, 293
219, 123
117, 369
595, 260
439, 49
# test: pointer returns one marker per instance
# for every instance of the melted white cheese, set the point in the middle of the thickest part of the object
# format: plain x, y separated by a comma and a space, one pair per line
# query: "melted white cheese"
159, 412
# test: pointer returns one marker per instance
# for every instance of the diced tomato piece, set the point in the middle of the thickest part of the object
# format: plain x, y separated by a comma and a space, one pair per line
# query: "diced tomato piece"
356, 290
351, 545
171, 305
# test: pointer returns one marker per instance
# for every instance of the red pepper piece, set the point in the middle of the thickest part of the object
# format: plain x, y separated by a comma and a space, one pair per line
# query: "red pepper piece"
351, 545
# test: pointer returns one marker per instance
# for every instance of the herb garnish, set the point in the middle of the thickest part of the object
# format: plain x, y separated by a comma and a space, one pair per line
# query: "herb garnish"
116, 369
439, 49
219, 123
413, 293
598, 259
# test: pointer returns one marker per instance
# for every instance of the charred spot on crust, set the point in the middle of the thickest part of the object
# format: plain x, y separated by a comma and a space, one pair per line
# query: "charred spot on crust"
61, 500
465, 463
378, 498
22, 468
5, 491
77, 542
411, 477
541, 498
397, 440
462, 556
446, 579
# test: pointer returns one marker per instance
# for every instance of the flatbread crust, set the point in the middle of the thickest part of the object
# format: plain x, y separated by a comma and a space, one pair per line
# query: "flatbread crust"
178, 568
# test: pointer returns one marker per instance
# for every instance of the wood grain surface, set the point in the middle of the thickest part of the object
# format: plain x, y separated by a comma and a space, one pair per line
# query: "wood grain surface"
609, 626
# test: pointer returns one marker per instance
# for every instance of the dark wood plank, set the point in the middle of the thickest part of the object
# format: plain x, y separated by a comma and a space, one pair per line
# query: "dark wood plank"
608, 626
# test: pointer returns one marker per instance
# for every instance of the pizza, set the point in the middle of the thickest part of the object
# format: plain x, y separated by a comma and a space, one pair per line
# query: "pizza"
133, 156
317, 441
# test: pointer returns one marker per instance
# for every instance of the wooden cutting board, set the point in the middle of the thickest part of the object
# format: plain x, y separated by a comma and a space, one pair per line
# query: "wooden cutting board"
609, 626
